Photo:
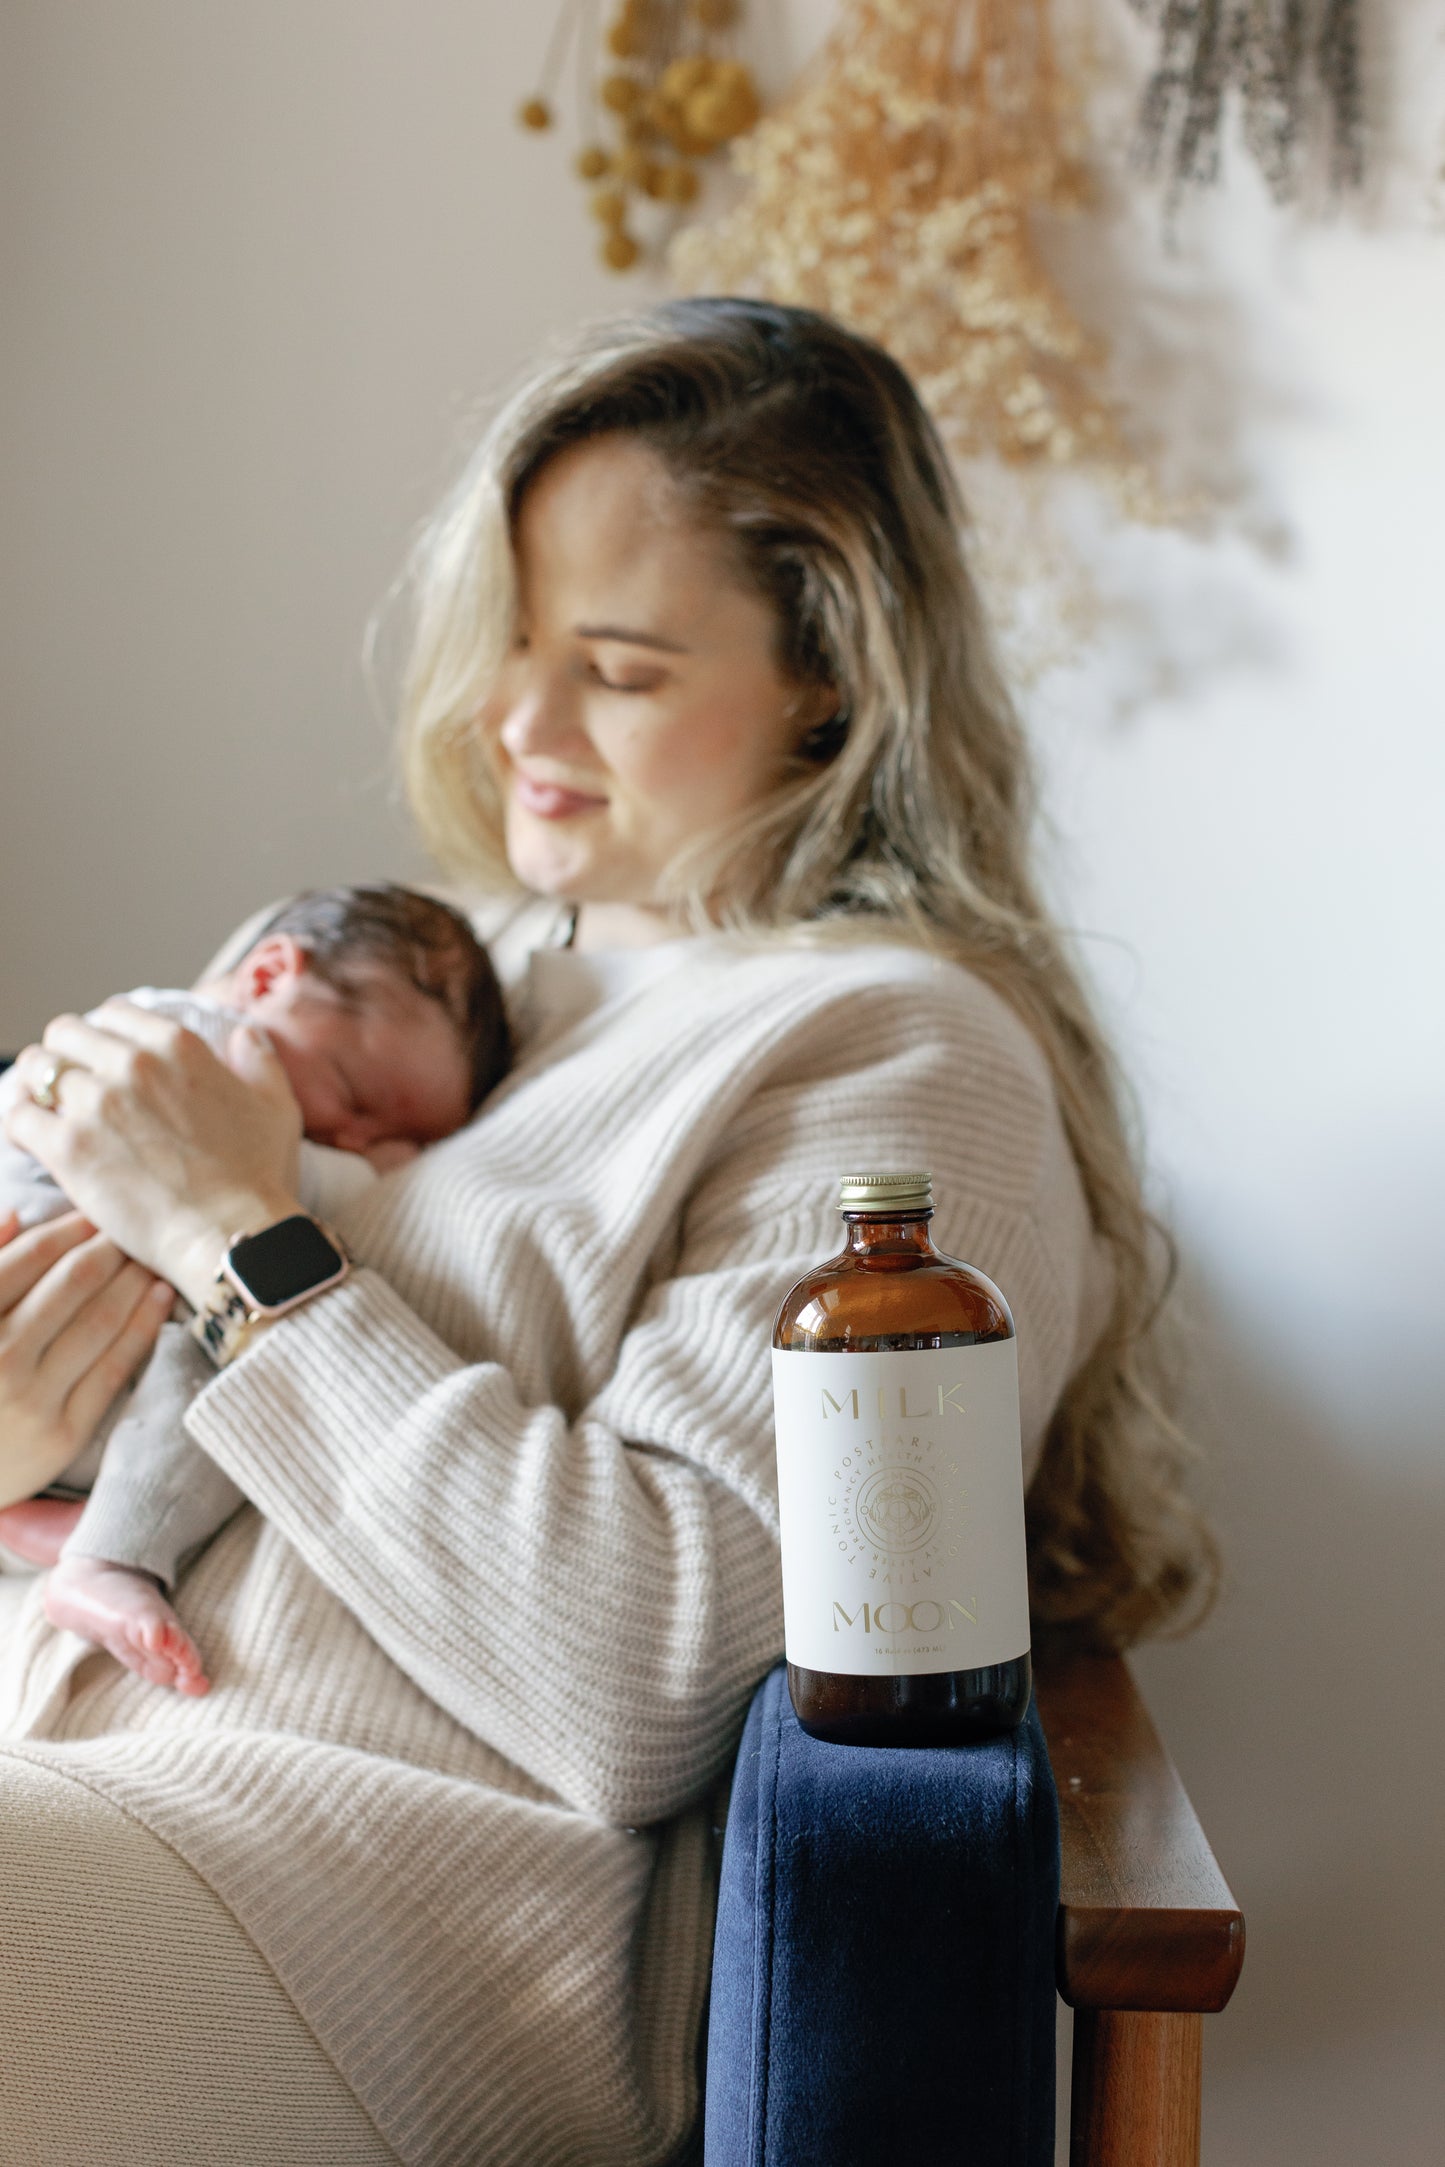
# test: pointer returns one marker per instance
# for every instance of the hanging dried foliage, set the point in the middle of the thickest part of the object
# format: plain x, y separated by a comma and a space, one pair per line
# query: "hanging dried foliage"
658, 95
1295, 66
894, 190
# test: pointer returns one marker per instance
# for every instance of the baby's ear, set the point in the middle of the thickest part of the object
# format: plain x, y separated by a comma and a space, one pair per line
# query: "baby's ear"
275, 965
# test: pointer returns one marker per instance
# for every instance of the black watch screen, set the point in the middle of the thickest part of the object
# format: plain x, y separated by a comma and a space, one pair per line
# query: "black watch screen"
284, 1261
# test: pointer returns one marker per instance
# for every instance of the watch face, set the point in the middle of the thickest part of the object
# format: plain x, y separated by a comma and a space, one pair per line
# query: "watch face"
285, 1261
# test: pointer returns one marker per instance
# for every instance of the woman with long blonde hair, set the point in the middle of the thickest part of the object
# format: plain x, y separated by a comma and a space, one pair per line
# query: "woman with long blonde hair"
701, 710
907, 812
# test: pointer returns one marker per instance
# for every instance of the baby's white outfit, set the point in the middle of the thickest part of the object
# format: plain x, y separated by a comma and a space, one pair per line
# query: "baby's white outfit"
154, 1497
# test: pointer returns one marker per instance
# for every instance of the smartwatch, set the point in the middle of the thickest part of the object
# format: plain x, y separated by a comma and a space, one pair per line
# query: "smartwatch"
262, 1277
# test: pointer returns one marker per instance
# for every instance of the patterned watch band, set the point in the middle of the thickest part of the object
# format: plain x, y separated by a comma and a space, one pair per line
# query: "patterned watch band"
224, 1325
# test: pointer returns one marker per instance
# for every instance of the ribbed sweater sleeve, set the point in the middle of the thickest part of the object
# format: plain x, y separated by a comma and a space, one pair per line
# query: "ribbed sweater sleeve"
596, 1613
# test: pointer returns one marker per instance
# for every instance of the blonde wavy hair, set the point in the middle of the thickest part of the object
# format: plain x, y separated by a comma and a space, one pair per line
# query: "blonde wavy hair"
907, 815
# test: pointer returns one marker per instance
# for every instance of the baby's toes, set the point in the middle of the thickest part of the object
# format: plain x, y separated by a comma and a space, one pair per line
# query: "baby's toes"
188, 1672
147, 1663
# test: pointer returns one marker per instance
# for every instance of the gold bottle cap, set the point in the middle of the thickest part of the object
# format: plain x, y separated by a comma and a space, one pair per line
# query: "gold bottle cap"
885, 1192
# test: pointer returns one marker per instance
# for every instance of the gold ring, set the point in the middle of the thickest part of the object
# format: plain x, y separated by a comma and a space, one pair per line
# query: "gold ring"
46, 1087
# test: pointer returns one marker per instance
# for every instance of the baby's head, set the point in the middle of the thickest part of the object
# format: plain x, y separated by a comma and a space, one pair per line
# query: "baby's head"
384, 1010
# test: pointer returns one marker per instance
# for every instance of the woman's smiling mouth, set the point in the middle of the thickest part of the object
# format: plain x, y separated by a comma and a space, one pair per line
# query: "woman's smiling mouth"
552, 801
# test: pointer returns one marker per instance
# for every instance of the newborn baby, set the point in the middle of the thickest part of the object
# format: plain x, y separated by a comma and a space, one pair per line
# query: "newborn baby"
386, 1015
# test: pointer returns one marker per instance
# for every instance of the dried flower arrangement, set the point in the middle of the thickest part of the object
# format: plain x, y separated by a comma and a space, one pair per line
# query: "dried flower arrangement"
668, 93
894, 189
1296, 67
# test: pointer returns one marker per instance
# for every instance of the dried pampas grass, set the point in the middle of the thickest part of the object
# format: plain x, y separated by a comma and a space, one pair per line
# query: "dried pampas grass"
894, 190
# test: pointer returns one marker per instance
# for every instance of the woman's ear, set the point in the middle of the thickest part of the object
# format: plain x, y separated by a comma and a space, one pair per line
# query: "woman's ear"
824, 738
820, 719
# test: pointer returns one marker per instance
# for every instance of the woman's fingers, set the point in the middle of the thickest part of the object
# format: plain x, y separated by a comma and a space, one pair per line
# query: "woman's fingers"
82, 1306
27, 1122
26, 1255
81, 1272
33, 1126
96, 1051
92, 1392
92, 1331
252, 1057
107, 1041
142, 1026
76, 1316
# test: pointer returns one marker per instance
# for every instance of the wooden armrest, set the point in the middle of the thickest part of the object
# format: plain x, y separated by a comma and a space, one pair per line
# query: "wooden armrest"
1146, 1919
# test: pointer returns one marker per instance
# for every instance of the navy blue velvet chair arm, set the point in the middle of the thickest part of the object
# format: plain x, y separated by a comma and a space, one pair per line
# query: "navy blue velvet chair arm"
883, 1976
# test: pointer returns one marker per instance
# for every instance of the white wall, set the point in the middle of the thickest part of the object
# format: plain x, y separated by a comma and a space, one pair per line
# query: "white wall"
260, 262
1266, 850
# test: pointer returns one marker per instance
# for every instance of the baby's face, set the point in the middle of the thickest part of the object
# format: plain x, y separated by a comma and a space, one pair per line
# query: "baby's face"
386, 1071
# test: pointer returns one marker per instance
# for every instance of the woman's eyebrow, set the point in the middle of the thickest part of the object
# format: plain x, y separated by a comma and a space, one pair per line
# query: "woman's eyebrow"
631, 637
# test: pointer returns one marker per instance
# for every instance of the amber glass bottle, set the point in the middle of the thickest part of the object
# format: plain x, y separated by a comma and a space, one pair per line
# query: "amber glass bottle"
900, 1479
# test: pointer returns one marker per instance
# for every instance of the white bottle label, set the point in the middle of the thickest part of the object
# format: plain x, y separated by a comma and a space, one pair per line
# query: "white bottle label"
900, 1494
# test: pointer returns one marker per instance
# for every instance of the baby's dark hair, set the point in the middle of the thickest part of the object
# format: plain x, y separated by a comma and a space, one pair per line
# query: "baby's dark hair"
425, 941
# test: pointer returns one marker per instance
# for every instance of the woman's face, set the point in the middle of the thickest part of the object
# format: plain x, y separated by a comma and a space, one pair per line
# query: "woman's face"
641, 703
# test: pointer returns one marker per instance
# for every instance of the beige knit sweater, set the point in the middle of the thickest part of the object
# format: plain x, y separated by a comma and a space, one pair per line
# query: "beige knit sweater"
483, 1649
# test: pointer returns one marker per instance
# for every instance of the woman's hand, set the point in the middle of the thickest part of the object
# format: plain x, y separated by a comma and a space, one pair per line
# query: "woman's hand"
76, 1320
165, 1148
385, 1158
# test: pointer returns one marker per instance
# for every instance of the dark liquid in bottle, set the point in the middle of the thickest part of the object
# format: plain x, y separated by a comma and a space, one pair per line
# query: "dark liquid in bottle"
889, 1291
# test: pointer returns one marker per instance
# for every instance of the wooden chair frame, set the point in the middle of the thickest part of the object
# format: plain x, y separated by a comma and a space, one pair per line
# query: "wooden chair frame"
1149, 1937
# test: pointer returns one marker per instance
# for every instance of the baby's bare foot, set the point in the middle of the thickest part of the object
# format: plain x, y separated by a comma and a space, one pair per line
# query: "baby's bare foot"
125, 1612
36, 1528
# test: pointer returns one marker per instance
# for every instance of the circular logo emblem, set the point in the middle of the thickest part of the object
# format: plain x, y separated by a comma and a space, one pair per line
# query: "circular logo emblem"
896, 1509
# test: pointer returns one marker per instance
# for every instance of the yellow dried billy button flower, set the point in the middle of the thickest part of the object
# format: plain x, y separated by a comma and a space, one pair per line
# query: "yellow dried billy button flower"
675, 184
721, 110
634, 168
669, 123
666, 111
680, 77
724, 105
667, 108
620, 93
